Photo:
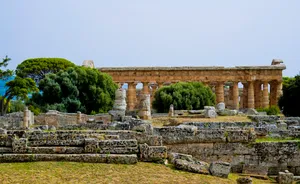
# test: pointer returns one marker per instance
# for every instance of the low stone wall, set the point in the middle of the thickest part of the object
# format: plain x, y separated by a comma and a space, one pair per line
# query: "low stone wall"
234, 145
106, 146
15, 120
59, 119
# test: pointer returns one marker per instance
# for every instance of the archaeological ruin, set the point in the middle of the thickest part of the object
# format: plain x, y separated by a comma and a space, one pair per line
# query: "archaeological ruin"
215, 148
255, 81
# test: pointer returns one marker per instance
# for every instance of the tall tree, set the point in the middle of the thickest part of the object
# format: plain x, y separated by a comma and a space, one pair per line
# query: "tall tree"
37, 68
18, 88
290, 98
76, 89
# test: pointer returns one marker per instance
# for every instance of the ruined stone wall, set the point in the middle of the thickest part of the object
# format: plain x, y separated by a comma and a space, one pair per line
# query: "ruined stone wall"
59, 119
234, 145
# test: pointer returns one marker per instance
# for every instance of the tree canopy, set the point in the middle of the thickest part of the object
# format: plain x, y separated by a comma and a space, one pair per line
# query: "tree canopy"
19, 88
4, 74
76, 89
37, 68
290, 99
183, 95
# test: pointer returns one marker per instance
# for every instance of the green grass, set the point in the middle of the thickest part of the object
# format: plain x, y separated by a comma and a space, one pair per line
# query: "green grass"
274, 139
71, 172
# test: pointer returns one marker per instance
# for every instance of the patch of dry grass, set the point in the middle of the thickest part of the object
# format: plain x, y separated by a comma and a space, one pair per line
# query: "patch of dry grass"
70, 172
167, 121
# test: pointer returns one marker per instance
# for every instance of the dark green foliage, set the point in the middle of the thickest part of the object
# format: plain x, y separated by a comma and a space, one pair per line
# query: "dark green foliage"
4, 74
37, 68
290, 100
19, 88
183, 95
273, 110
76, 89
16, 106
35, 110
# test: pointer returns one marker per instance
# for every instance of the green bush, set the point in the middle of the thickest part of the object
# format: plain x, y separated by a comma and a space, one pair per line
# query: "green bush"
183, 95
76, 89
290, 100
35, 110
273, 110
16, 106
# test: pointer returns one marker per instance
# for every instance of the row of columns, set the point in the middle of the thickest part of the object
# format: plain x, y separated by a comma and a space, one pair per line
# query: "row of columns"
255, 94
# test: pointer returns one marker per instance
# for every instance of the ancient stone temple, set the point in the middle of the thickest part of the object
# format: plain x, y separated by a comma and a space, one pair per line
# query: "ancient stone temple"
238, 87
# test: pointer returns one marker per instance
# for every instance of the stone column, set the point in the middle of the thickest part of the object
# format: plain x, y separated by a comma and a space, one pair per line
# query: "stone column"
220, 92
257, 94
273, 93
26, 118
251, 102
145, 88
78, 117
235, 95
245, 95
131, 95
279, 91
265, 103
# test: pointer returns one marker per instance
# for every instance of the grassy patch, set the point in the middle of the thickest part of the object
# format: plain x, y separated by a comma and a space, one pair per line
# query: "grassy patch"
71, 172
274, 139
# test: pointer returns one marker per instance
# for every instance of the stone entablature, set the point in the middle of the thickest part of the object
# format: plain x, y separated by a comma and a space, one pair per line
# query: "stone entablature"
256, 81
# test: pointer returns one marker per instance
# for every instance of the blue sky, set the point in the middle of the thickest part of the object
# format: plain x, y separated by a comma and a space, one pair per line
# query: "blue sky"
153, 32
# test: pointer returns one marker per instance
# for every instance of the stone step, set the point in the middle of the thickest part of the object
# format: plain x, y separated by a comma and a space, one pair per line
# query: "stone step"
79, 150
5, 149
92, 158
118, 143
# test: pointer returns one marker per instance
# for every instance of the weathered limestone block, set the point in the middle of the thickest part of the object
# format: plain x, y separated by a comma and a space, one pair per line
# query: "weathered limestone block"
220, 169
271, 119
171, 111
240, 135
282, 126
244, 180
192, 166
19, 145
119, 107
153, 153
117, 143
91, 158
233, 149
220, 107
206, 136
255, 169
144, 107
200, 151
91, 145
210, 112
285, 177
55, 150
175, 135
251, 111
5, 150
172, 156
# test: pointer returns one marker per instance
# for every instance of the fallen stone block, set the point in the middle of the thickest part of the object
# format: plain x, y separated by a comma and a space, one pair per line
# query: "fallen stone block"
192, 166
220, 169
255, 169
153, 153
244, 180
285, 177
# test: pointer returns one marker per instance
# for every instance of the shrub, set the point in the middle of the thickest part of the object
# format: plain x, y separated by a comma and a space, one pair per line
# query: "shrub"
273, 110
183, 95
290, 100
